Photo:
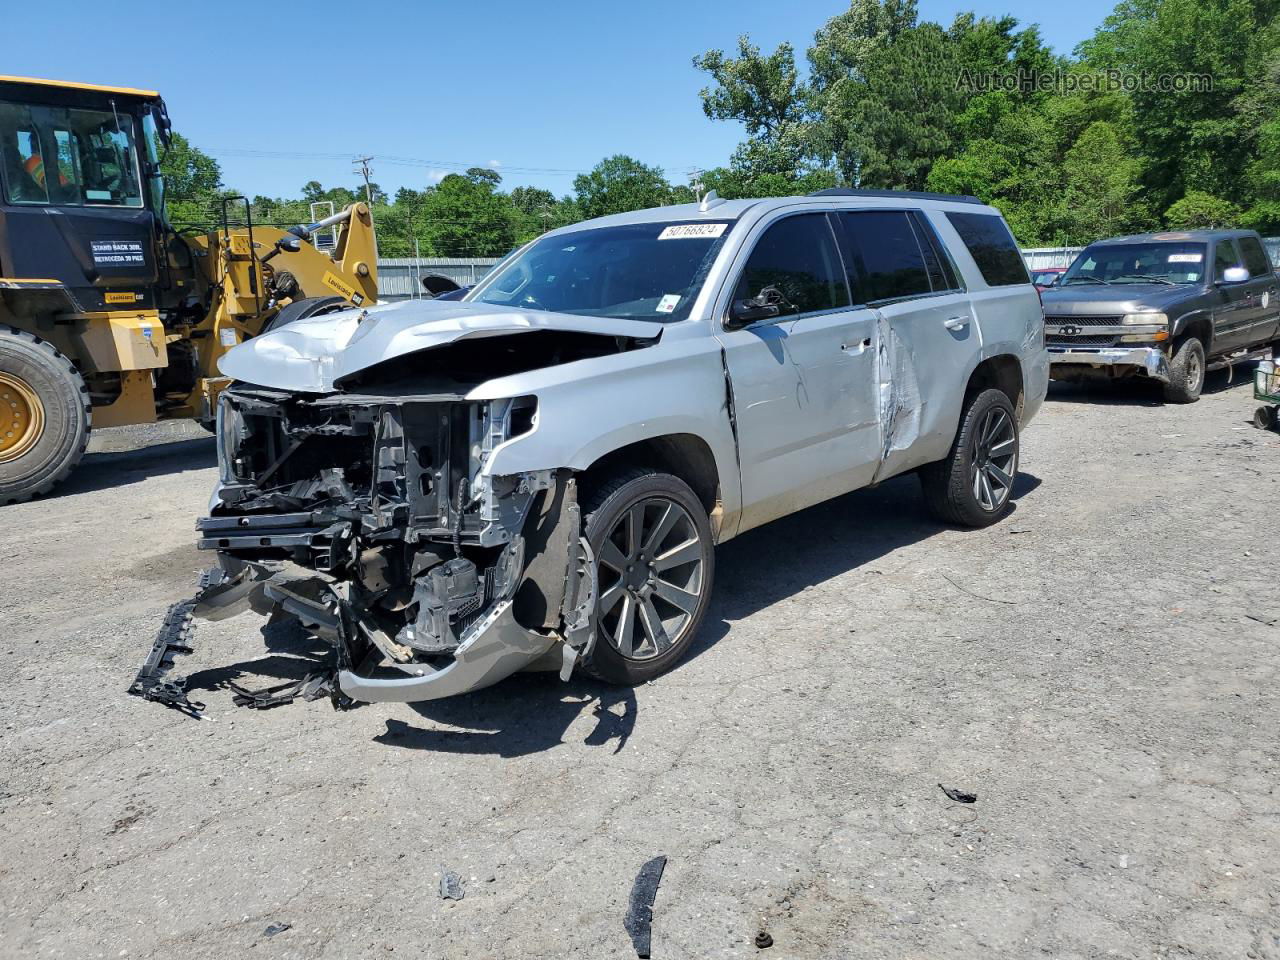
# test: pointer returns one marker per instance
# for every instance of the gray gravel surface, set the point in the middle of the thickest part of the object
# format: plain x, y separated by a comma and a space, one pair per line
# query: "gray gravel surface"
1100, 669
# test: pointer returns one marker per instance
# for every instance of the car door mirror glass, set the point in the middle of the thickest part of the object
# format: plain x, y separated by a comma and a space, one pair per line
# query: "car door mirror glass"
1235, 275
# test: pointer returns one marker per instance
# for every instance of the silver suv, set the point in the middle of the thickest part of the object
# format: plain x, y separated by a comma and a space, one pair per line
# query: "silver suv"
536, 476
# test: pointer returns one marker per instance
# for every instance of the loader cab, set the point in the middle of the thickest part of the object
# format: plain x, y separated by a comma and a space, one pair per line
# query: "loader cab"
80, 193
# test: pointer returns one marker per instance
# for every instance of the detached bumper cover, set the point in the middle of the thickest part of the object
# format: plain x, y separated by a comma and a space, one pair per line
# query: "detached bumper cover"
493, 649
1151, 361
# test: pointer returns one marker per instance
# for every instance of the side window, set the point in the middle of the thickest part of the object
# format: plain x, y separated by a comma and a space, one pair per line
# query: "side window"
25, 176
892, 264
68, 156
992, 246
1224, 255
1255, 258
942, 274
795, 265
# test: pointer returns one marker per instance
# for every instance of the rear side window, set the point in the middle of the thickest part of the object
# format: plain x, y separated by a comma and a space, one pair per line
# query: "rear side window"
1255, 258
992, 247
796, 265
891, 264
1224, 256
941, 273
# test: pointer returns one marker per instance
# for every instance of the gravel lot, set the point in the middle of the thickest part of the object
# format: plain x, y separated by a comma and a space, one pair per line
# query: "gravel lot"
1100, 669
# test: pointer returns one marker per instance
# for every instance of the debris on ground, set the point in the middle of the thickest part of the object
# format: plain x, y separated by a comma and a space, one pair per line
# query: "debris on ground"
1266, 619
639, 919
959, 796
763, 940
451, 885
311, 687
276, 928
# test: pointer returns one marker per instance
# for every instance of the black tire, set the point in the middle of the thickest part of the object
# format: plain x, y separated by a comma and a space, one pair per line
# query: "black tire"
948, 485
603, 508
1186, 372
62, 398
301, 309
1264, 418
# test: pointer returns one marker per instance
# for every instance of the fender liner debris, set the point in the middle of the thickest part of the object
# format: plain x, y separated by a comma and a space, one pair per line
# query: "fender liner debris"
639, 919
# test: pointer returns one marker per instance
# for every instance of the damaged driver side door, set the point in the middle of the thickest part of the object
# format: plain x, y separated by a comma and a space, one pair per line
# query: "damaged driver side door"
802, 381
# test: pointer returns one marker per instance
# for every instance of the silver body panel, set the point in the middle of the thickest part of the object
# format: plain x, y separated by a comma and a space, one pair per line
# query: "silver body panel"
794, 411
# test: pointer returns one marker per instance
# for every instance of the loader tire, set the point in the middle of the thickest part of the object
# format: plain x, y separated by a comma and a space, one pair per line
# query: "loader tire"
45, 416
301, 309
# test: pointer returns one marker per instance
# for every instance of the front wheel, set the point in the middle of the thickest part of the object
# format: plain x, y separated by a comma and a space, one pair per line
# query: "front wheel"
44, 416
655, 564
1186, 372
973, 486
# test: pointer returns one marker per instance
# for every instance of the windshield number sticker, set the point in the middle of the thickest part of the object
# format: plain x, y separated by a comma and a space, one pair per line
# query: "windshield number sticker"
668, 303
1185, 257
692, 231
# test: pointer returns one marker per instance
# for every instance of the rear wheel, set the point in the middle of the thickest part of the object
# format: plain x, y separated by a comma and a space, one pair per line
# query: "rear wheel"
973, 486
1264, 418
655, 565
1186, 372
44, 416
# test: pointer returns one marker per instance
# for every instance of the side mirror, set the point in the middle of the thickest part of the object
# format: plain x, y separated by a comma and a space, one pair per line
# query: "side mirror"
1233, 275
743, 313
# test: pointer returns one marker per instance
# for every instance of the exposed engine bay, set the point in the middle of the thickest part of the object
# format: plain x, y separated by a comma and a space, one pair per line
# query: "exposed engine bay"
370, 517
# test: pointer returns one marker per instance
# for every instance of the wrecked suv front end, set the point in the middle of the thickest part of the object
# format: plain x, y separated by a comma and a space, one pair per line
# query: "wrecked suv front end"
371, 518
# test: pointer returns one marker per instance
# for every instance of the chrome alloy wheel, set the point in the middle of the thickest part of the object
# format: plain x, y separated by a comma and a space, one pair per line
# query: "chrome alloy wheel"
651, 578
994, 461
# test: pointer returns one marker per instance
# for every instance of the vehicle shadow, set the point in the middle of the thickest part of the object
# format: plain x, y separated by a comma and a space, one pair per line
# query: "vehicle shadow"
532, 712
98, 471
1136, 391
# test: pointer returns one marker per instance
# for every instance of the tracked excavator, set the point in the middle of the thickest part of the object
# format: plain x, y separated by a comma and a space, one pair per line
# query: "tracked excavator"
108, 315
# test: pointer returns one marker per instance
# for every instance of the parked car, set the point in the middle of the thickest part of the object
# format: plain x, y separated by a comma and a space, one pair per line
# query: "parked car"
1166, 306
1046, 277
537, 476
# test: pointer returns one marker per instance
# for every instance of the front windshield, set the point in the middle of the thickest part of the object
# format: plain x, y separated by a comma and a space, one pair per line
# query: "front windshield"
640, 271
1161, 262
59, 156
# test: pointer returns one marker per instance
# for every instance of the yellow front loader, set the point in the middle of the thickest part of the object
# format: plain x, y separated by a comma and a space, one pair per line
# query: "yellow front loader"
110, 317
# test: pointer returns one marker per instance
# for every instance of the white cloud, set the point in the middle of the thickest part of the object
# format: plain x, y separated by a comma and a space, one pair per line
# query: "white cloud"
495, 164
435, 176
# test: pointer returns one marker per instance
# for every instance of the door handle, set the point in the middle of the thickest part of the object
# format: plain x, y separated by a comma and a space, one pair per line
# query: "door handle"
857, 346
956, 323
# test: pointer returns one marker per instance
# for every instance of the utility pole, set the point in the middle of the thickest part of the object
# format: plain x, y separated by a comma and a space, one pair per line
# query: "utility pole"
364, 171
695, 184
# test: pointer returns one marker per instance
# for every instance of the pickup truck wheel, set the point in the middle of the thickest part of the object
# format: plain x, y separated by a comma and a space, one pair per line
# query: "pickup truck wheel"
44, 416
655, 564
973, 486
1186, 373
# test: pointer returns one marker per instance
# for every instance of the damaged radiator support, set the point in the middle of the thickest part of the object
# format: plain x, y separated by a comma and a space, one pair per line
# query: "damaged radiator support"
372, 521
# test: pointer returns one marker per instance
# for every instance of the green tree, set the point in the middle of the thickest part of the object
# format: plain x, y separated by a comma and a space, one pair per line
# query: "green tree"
1200, 210
618, 184
192, 184
1102, 183
1192, 139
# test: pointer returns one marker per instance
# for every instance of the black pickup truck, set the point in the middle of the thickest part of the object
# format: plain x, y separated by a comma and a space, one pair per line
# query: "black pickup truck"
1167, 306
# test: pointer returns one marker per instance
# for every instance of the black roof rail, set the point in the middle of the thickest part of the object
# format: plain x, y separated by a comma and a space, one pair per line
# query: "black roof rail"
893, 194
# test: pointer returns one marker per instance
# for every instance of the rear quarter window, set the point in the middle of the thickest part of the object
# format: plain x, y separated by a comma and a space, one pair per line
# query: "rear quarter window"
992, 247
1255, 258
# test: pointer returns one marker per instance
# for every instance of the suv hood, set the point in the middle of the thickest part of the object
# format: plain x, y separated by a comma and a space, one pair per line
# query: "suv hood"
1091, 299
311, 355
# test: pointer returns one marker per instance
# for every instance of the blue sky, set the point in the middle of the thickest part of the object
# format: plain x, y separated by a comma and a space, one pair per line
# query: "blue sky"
542, 90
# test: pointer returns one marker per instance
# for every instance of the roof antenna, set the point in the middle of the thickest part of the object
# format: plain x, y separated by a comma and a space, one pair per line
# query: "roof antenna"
709, 199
